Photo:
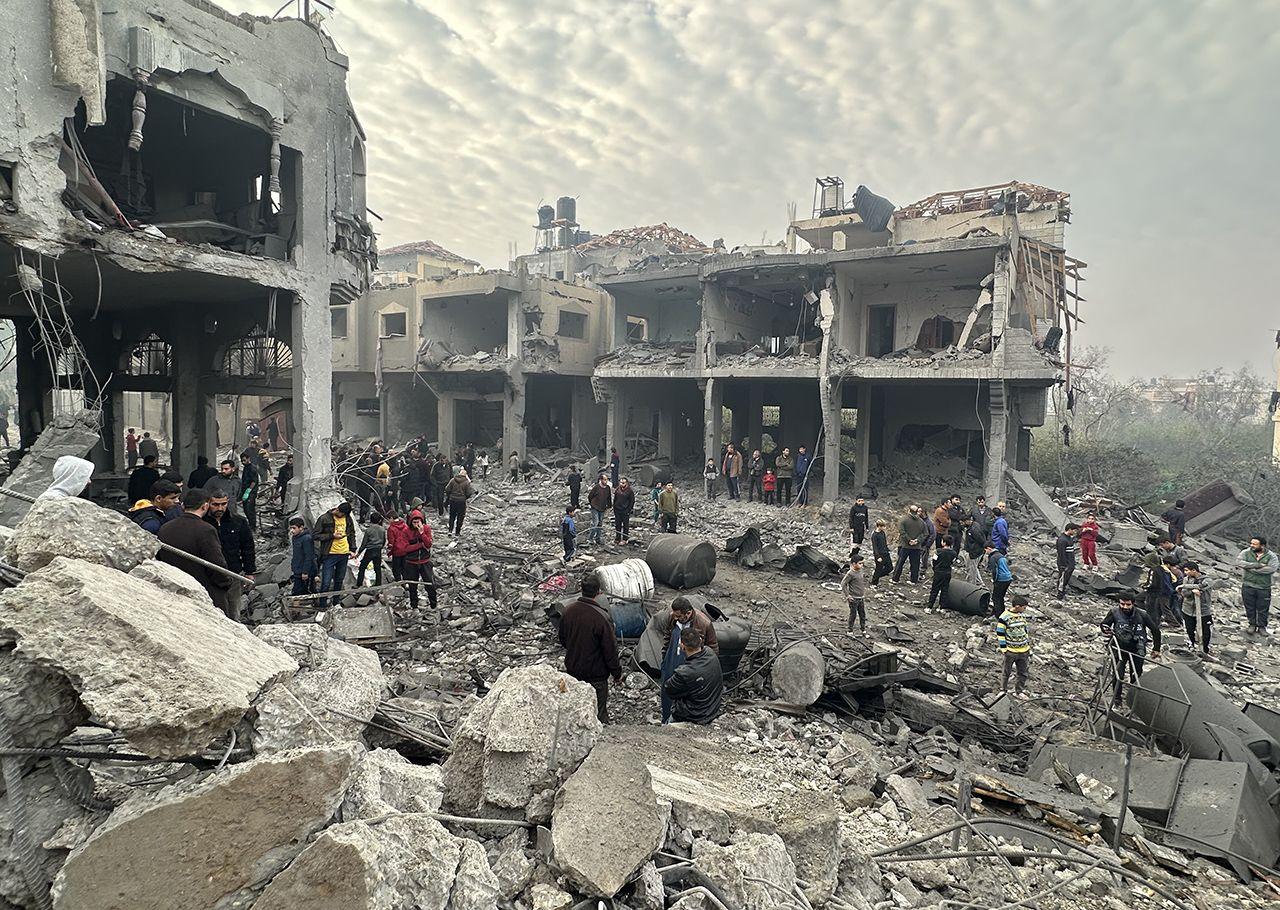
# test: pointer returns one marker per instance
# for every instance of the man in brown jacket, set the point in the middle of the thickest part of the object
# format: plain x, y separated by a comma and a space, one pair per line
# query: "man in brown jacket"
731, 467
190, 533
591, 644
942, 523
682, 612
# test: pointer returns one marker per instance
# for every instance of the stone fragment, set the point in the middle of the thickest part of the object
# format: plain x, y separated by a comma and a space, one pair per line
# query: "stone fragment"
165, 671
511, 864
408, 861
702, 820
535, 722
648, 892
66, 434
750, 856
48, 810
38, 706
174, 580
549, 897
58, 527
908, 794
386, 782
798, 672
813, 842
606, 823
333, 674
208, 843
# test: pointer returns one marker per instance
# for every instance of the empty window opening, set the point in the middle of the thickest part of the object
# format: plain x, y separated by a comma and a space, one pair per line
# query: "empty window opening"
152, 356
572, 325
881, 326
368, 407
257, 354
338, 322
936, 332
394, 325
637, 329
7, 193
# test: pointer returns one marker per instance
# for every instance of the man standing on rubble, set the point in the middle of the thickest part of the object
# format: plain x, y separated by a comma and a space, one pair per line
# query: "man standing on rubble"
942, 523
1196, 592
615, 466
201, 475
591, 644
669, 507
1259, 567
859, 519
755, 474
672, 625
142, 480
302, 558
459, 491
236, 539
1177, 520
731, 466
804, 461
574, 481
441, 474
148, 447
854, 588
190, 533
784, 466
1126, 629
131, 447
974, 541
249, 490
335, 535
911, 534
999, 530
943, 562
695, 689
569, 532
226, 483
1066, 547
880, 552
1001, 577
417, 560
624, 503
1014, 642
600, 499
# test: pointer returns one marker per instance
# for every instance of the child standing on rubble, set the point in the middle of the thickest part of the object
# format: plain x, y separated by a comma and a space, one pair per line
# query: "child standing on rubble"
1014, 641
709, 475
1089, 529
770, 484
854, 588
569, 532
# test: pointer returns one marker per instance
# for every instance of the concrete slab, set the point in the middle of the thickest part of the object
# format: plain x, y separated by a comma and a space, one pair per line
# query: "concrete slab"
1153, 780
1220, 807
1043, 504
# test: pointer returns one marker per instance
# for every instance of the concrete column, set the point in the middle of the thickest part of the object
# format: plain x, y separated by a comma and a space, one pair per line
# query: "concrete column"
713, 419
713, 305
447, 422
513, 428
755, 416
514, 334
862, 467
831, 444
193, 417
997, 441
312, 389
616, 427
1001, 297
667, 432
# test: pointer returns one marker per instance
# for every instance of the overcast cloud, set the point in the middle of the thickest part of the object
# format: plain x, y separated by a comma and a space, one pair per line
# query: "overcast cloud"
1159, 117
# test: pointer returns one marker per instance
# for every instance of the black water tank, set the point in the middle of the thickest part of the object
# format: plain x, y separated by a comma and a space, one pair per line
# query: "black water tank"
546, 215
567, 208
680, 561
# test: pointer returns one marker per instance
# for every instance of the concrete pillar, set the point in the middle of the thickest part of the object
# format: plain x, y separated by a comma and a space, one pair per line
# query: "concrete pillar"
831, 444
713, 413
312, 389
194, 431
713, 307
514, 334
755, 416
862, 466
667, 432
513, 428
446, 408
1001, 296
997, 441
616, 427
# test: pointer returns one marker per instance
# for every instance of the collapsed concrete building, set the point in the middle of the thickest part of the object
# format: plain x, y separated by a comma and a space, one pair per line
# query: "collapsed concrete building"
181, 200
936, 327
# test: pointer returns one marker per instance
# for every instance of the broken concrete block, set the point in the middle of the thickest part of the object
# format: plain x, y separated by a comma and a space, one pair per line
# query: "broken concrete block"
37, 706
385, 782
49, 811
511, 864
704, 821
648, 892
172, 579
549, 897
535, 722
163, 670
908, 794
295, 712
208, 843
606, 822
58, 527
67, 434
798, 673
405, 861
812, 836
751, 856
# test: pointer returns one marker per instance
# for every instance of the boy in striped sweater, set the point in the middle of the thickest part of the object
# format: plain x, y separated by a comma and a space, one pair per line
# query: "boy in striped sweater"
1014, 642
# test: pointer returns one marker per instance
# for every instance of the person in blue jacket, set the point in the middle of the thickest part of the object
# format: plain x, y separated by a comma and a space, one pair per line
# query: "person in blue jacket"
303, 566
1001, 577
803, 462
1000, 531
569, 533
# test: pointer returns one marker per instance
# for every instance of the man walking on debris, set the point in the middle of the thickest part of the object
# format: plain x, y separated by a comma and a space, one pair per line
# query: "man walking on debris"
513, 465
1001, 577
335, 535
804, 461
696, 688
591, 644
417, 560
190, 533
672, 624
600, 499
880, 552
943, 563
854, 588
236, 538
1126, 629
669, 507
575, 486
859, 519
568, 532
1066, 547
131, 447
283, 476
1259, 567
784, 466
302, 558
975, 548
1197, 605
371, 546
143, 479
624, 503
148, 447
1014, 642
755, 472
249, 490
459, 491
442, 473
1177, 520
911, 534
732, 466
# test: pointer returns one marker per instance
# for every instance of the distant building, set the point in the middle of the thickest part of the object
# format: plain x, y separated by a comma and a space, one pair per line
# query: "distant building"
418, 260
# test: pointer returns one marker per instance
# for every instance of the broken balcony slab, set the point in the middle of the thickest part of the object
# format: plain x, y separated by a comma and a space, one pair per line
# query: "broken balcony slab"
1153, 779
1220, 810
67, 434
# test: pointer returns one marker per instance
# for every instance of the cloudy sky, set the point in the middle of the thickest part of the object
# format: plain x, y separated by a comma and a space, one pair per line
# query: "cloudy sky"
1160, 117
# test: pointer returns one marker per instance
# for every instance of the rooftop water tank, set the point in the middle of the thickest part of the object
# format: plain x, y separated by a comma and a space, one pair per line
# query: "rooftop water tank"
546, 215
567, 209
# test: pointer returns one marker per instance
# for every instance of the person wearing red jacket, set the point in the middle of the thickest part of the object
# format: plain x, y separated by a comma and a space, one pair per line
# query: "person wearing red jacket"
1089, 540
397, 545
417, 559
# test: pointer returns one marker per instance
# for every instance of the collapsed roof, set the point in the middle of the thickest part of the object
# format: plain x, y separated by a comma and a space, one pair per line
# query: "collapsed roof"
674, 239
427, 248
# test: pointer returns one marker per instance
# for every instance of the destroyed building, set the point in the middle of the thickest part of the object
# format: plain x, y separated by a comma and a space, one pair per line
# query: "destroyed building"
182, 199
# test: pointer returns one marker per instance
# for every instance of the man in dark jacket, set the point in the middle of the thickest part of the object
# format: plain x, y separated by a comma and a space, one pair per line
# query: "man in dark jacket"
982, 516
880, 552
226, 483
150, 517
303, 564
974, 541
942, 565
859, 519
600, 499
696, 688
249, 489
1126, 629
458, 491
1066, 558
591, 644
1177, 519
236, 538
441, 474
912, 531
189, 533
624, 503
803, 462
575, 486
283, 476
142, 479
201, 475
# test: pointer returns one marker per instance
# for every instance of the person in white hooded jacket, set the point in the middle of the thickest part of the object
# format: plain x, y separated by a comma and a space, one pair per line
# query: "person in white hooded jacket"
71, 475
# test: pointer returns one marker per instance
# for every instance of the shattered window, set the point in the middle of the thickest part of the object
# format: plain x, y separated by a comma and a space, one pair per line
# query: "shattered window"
394, 325
637, 330
572, 325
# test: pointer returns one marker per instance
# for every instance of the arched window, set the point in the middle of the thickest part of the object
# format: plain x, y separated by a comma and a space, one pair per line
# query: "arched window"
257, 354
152, 356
